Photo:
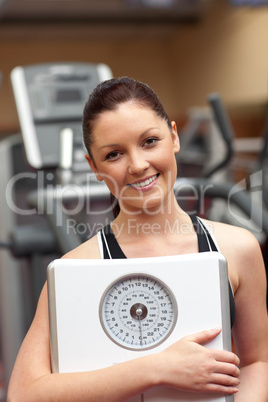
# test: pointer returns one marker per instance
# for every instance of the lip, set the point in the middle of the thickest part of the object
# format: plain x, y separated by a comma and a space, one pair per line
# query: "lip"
135, 185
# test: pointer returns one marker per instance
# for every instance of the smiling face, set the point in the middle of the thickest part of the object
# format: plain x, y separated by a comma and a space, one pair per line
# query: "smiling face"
133, 151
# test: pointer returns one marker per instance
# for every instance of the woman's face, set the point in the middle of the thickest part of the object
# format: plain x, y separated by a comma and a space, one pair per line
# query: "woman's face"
133, 151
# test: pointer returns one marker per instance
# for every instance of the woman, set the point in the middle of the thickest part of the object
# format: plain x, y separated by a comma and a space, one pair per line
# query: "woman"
131, 145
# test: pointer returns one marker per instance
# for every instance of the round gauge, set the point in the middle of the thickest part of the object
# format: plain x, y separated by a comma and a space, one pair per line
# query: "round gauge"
138, 311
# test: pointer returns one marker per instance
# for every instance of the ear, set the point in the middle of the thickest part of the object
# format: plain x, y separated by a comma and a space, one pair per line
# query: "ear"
175, 137
93, 167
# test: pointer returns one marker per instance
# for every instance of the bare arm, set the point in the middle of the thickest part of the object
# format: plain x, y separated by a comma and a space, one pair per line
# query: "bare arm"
186, 365
250, 331
32, 379
178, 367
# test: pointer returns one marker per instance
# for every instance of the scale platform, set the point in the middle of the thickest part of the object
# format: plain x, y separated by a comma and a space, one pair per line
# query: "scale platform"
105, 312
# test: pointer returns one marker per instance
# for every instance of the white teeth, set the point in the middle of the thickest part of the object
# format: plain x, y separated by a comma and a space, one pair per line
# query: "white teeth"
145, 183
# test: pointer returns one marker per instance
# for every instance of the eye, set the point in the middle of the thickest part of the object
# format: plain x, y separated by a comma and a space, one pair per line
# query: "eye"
112, 155
150, 141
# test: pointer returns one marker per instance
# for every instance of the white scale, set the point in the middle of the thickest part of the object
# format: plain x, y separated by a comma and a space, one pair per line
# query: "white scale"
105, 312
138, 312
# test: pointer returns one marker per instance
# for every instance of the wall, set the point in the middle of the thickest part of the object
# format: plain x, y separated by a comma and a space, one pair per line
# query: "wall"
226, 51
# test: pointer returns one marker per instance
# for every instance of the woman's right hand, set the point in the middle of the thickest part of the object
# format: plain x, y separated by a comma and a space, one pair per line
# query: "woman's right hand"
188, 365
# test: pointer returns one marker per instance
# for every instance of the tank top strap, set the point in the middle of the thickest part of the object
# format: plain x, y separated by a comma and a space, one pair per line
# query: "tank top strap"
205, 240
207, 243
111, 248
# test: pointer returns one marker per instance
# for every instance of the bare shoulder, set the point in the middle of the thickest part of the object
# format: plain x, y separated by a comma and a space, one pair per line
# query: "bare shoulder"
233, 239
87, 250
241, 249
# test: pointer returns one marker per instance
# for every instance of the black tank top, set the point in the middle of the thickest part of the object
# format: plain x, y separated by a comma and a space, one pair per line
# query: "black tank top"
112, 250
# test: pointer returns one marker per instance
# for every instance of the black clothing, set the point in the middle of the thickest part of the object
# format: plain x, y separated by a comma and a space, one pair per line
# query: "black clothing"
111, 249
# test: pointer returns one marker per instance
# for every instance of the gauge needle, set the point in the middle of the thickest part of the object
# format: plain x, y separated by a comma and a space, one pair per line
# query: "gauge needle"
139, 313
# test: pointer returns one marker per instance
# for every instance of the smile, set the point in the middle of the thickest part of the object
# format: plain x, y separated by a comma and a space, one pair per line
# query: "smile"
145, 182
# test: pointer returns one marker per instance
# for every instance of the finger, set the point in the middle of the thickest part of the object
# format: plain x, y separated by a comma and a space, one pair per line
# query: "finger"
228, 369
225, 380
227, 357
222, 389
204, 336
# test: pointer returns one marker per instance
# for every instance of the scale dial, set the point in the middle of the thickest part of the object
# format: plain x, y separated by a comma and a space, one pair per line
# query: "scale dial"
138, 311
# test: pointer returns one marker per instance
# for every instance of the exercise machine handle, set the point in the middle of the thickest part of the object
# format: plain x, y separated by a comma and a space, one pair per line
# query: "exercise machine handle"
221, 118
225, 128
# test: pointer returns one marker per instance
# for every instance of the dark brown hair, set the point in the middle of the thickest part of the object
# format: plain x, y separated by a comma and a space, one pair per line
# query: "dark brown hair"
108, 95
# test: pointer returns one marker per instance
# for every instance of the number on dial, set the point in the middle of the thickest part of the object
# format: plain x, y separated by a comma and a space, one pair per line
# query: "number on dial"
138, 312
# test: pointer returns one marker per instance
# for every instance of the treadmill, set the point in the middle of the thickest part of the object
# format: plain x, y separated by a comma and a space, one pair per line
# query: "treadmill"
45, 161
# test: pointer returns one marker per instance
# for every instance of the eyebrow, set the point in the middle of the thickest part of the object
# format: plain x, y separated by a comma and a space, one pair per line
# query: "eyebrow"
140, 137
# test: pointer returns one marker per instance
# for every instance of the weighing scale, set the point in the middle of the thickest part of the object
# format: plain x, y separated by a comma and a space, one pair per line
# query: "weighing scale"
105, 312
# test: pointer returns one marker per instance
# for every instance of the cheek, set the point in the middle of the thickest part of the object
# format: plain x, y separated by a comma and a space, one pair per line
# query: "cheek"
113, 178
168, 165
167, 160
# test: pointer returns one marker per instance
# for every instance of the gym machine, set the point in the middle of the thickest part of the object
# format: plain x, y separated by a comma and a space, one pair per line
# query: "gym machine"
52, 203
43, 165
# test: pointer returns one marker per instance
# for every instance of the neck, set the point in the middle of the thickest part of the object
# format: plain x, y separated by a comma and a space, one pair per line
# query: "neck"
163, 221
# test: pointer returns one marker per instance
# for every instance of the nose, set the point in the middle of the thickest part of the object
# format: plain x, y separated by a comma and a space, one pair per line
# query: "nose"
137, 163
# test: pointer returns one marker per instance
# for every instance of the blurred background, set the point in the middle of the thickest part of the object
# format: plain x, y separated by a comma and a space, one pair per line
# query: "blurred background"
183, 49
208, 62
